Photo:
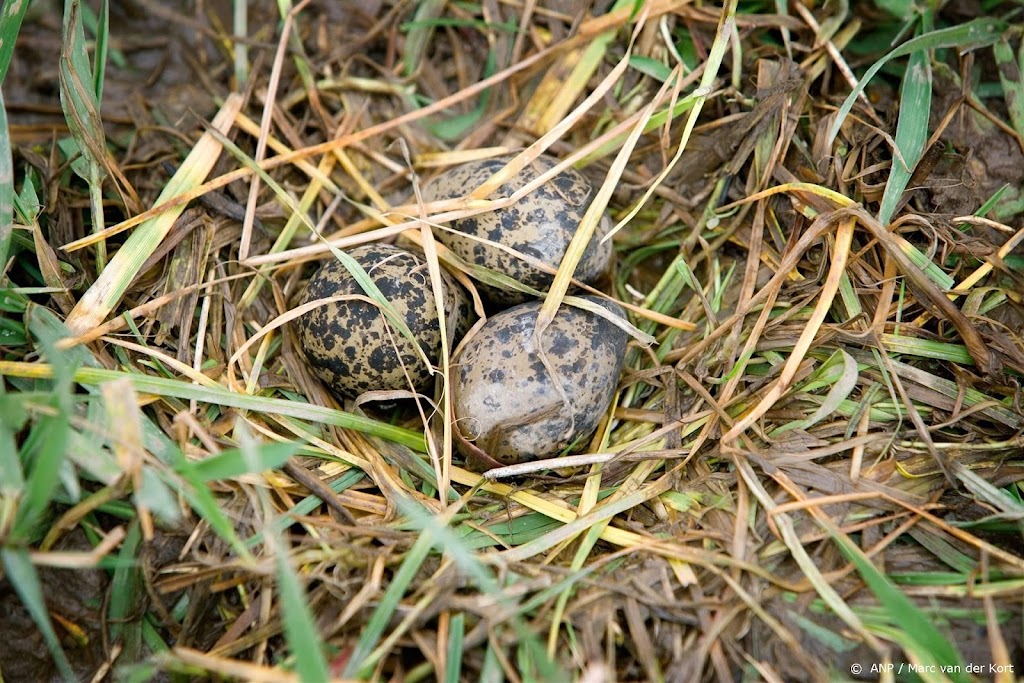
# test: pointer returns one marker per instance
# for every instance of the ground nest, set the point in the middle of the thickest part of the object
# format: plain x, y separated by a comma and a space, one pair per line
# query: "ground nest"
813, 465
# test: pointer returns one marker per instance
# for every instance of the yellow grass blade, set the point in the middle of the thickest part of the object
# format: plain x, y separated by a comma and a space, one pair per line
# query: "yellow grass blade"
104, 294
840, 254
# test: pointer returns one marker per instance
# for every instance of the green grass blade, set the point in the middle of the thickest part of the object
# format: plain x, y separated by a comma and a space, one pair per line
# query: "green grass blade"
827, 637
902, 9
49, 436
491, 671
49, 330
359, 662
158, 497
513, 532
458, 126
973, 34
99, 67
127, 597
193, 488
299, 625
6, 187
172, 388
77, 100
12, 334
842, 385
541, 666
435, 531
13, 481
604, 512
651, 67
923, 637
911, 131
933, 271
46, 447
421, 29
27, 206
82, 113
22, 576
206, 506
11, 16
298, 51
1012, 81
240, 27
926, 348
452, 545
945, 551
305, 506
456, 633
233, 463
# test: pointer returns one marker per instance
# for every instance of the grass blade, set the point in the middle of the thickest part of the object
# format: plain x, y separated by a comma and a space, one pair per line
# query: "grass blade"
22, 576
911, 131
842, 384
973, 34
299, 626
172, 388
374, 629
205, 504
6, 186
13, 481
50, 436
233, 463
11, 16
924, 638
82, 112
46, 447
240, 27
99, 67
104, 294
456, 633
420, 32
127, 597
1013, 84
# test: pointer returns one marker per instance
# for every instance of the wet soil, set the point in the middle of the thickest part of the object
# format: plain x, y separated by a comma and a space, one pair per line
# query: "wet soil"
75, 599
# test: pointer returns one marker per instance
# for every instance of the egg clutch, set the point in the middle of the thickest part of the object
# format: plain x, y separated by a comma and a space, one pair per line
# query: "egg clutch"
511, 403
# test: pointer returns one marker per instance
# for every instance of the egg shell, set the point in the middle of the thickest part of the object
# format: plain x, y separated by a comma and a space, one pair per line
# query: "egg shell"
506, 402
540, 225
351, 346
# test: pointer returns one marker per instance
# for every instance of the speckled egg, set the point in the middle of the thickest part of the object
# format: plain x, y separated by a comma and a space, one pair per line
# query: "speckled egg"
350, 345
540, 225
507, 403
